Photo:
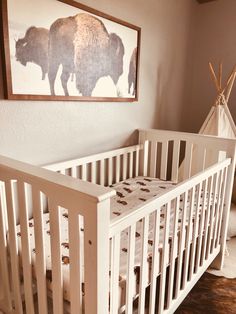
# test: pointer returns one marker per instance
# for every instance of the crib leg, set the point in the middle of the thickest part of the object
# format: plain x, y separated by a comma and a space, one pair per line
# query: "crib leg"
218, 262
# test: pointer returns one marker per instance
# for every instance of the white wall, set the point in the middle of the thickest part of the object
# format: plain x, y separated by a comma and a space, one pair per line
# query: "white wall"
43, 132
214, 40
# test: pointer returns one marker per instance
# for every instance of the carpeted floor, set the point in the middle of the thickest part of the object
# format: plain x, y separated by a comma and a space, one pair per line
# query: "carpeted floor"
229, 269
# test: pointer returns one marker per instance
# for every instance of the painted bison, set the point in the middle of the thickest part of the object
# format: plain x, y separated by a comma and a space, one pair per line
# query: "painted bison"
34, 48
132, 72
81, 44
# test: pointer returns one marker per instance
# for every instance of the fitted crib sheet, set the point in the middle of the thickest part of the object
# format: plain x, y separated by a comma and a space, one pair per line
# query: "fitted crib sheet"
129, 195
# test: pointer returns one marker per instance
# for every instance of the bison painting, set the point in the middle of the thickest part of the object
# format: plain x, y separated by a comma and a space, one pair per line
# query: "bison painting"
81, 44
74, 54
34, 48
132, 72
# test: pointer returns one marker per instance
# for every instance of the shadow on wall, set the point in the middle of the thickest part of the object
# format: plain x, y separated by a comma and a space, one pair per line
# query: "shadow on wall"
132, 139
161, 112
1, 61
1, 79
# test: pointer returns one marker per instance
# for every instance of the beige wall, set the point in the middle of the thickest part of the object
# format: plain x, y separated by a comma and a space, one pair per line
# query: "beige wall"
214, 40
43, 132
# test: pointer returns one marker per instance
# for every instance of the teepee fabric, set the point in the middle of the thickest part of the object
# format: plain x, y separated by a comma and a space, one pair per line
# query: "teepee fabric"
219, 121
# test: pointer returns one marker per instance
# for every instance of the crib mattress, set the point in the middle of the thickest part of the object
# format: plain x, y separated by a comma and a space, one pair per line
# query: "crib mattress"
129, 195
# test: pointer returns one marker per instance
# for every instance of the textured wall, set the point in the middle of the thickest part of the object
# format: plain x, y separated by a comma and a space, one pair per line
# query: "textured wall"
43, 132
214, 40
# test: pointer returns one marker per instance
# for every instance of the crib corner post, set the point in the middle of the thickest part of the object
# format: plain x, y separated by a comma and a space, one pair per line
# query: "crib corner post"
96, 247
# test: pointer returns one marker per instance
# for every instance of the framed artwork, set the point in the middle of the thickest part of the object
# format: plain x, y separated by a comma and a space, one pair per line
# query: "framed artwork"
63, 50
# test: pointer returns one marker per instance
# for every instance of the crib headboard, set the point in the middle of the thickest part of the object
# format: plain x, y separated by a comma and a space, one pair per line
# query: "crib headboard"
179, 155
104, 168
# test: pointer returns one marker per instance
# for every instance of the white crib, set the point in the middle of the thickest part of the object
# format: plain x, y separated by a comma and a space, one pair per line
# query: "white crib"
172, 234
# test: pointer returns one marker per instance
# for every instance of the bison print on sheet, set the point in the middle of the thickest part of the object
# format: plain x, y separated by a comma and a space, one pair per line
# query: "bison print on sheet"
34, 48
82, 45
132, 72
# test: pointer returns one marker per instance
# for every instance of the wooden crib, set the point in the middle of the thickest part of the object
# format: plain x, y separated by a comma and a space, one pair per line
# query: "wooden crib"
121, 258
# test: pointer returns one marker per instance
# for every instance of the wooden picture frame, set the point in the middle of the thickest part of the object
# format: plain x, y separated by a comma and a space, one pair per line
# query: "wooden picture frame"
64, 50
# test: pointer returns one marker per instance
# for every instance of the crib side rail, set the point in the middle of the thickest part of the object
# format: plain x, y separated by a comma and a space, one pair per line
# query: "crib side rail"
105, 168
186, 237
179, 155
24, 264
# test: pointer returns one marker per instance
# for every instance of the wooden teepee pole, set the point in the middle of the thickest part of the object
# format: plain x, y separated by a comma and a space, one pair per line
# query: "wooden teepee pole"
229, 86
220, 75
215, 80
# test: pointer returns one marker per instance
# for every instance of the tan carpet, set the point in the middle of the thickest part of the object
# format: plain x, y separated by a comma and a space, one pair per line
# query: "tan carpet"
229, 269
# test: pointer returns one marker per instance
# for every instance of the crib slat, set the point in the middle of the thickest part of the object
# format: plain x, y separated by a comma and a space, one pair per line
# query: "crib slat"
195, 232
11, 206
202, 221
84, 172
124, 173
164, 160
131, 162
75, 263
137, 163
218, 210
117, 169
74, 172
212, 214
200, 158
93, 172
144, 156
188, 160
40, 263
143, 269
206, 226
102, 172
110, 171
26, 249
175, 161
188, 238
173, 253
3, 249
115, 263
222, 205
55, 238
182, 237
164, 258
153, 159
130, 271
155, 263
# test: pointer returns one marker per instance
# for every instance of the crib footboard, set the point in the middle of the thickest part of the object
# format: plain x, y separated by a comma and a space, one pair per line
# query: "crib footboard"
26, 274
188, 232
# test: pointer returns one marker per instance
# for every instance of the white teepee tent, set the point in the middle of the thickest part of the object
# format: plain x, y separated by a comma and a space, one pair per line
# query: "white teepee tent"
219, 121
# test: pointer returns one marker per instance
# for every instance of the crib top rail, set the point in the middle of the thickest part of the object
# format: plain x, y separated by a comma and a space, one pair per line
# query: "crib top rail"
92, 158
218, 143
131, 217
67, 188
